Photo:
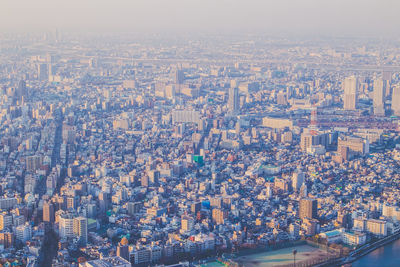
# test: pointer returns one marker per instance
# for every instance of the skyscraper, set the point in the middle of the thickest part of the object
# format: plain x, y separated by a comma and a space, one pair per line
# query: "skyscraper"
350, 85
80, 229
396, 100
308, 208
378, 100
21, 92
43, 72
48, 212
233, 101
297, 180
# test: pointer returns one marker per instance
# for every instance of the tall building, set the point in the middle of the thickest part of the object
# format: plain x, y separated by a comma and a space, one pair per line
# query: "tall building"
187, 223
378, 100
24, 232
48, 212
123, 249
5, 220
43, 72
350, 85
21, 93
233, 101
308, 208
66, 225
396, 100
297, 180
179, 76
80, 228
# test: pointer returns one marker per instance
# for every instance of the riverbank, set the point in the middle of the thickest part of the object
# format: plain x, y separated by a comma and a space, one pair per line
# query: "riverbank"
362, 251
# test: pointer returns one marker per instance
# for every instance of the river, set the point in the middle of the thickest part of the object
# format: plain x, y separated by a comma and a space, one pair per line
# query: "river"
388, 255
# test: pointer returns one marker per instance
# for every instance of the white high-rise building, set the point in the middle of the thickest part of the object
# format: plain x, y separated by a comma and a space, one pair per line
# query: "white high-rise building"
297, 180
23, 232
66, 225
350, 85
396, 100
378, 100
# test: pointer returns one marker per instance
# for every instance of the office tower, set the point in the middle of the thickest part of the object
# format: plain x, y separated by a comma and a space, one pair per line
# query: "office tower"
103, 202
378, 100
33, 163
179, 76
219, 216
48, 212
396, 100
308, 208
350, 85
80, 228
43, 72
66, 225
233, 101
297, 180
21, 93
123, 249
187, 223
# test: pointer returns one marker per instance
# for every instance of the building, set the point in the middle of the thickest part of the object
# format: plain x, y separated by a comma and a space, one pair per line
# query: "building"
377, 227
308, 208
354, 238
219, 216
233, 101
7, 239
5, 220
66, 225
355, 145
43, 72
48, 212
378, 98
123, 249
80, 228
187, 116
350, 85
276, 123
396, 100
23, 232
297, 179
187, 223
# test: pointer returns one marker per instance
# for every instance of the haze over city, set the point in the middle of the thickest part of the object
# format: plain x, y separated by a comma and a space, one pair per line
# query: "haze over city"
311, 17
183, 133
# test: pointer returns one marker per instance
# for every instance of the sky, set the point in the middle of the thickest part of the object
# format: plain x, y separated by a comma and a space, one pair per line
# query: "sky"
327, 17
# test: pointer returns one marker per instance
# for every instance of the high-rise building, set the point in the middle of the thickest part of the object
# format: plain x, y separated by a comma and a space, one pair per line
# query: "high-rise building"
233, 101
7, 239
43, 72
5, 220
66, 225
179, 76
187, 223
80, 228
396, 100
123, 249
378, 101
297, 180
21, 93
350, 85
24, 232
308, 208
48, 212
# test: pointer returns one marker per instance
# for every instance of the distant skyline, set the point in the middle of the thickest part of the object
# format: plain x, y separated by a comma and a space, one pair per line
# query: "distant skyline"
327, 17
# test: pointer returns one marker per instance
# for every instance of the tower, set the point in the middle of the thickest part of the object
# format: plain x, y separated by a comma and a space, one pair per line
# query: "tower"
396, 100
308, 208
48, 212
233, 101
378, 99
350, 85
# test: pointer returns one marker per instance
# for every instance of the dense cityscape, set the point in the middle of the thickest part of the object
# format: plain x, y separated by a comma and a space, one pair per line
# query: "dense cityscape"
122, 150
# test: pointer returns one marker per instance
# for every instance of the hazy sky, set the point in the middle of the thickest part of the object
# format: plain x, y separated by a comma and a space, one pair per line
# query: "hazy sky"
330, 17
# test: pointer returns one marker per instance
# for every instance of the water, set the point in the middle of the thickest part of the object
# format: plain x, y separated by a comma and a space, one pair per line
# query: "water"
388, 255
